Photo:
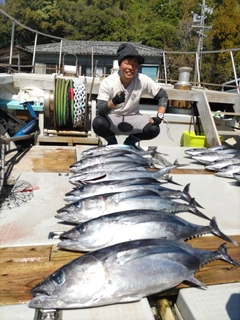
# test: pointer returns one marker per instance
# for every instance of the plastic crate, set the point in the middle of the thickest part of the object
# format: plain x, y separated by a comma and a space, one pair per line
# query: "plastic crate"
190, 139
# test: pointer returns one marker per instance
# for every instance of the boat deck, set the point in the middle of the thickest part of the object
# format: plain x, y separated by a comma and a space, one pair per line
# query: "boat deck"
27, 255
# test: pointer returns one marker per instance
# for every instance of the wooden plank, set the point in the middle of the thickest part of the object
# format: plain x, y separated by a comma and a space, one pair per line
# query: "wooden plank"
195, 95
60, 255
23, 270
24, 254
17, 279
229, 133
227, 113
44, 82
44, 159
191, 171
207, 120
69, 140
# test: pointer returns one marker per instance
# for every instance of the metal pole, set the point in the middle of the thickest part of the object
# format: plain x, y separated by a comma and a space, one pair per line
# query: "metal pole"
199, 46
234, 71
3, 147
12, 43
165, 67
60, 58
92, 63
34, 52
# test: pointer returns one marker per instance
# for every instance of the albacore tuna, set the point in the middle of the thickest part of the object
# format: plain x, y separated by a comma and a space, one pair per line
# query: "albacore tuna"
101, 161
140, 224
104, 188
93, 177
94, 207
228, 171
124, 272
207, 158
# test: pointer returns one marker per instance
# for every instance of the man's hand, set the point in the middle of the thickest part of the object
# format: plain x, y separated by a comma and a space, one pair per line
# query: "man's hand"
119, 98
156, 121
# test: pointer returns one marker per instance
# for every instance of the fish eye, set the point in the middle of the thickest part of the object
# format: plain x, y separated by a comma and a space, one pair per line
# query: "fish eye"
81, 228
58, 278
81, 188
77, 204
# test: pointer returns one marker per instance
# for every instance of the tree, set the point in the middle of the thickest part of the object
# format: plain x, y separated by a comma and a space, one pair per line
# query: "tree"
225, 35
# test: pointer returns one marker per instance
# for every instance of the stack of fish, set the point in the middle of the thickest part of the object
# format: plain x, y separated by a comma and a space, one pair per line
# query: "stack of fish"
127, 225
224, 160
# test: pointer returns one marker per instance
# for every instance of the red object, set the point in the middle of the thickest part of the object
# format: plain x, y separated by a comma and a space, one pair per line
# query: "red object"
71, 93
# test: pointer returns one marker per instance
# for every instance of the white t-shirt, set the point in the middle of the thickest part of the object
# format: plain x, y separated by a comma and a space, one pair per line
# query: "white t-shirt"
140, 84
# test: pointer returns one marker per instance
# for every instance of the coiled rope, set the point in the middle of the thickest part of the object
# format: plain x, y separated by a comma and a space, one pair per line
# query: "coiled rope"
70, 102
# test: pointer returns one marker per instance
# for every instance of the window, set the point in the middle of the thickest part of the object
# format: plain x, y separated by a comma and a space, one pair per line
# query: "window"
151, 71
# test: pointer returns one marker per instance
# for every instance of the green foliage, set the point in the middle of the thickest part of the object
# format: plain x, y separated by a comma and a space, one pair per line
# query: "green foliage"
161, 35
164, 24
225, 35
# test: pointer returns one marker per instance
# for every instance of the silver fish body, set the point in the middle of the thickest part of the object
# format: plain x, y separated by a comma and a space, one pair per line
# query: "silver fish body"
237, 176
227, 172
89, 190
93, 207
115, 166
101, 188
195, 151
104, 162
93, 177
103, 150
136, 225
122, 273
220, 164
207, 158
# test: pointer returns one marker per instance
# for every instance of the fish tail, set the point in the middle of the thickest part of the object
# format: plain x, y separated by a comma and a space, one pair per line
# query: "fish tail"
169, 179
222, 254
219, 233
193, 209
177, 164
188, 196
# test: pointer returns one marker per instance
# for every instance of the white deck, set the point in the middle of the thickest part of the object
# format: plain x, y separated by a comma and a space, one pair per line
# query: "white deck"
31, 223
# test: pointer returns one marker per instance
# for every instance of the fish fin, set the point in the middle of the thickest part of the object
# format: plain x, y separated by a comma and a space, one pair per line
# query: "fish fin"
170, 179
177, 164
216, 231
195, 281
186, 188
188, 196
222, 251
193, 209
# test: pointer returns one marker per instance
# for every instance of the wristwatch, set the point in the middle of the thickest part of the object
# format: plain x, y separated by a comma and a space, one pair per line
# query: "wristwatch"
160, 116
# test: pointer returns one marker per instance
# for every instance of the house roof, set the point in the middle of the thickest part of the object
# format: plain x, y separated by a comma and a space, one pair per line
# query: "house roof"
108, 48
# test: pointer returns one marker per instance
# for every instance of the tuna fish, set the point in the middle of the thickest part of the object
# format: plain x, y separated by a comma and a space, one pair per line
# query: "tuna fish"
122, 273
103, 162
110, 149
237, 176
93, 207
101, 188
220, 164
228, 171
115, 166
195, 151
120, 227
93, 177
207, 158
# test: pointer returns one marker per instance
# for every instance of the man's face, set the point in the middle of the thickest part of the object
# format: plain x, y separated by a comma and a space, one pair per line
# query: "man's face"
129, 67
